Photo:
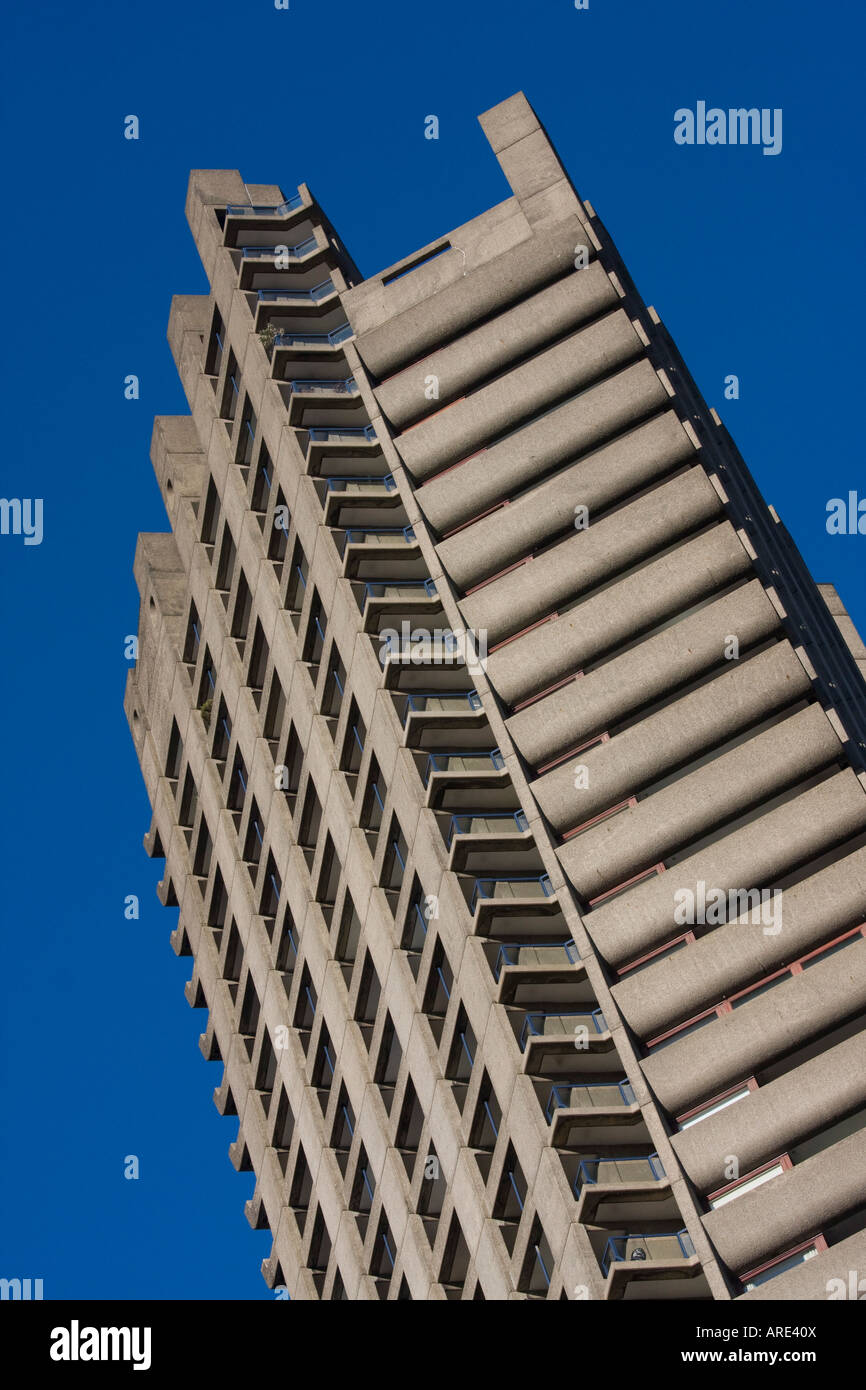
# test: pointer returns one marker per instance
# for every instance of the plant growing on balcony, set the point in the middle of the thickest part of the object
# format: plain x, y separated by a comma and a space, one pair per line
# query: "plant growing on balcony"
205, 711
268, 337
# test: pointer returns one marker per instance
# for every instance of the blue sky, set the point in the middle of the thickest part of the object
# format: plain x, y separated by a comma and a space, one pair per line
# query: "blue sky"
753, 262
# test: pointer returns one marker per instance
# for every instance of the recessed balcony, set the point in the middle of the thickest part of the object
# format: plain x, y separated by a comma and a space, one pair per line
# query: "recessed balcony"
359, 499
308, 345
455, 778
385, 602
292, 301
370, 551
539, 972
623, 1187
593, 1112
482, 841
330, 447
322, 401
241, 218
661, 1265
560, 1033
260, 263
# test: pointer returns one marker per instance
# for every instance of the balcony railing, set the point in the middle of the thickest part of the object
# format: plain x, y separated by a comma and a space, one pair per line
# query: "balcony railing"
325, 386
542, 953
487, 823
513, 886
620, 1171
469, 761
332, 339
250, 210
366, 535
321, 433
320, 291
673, 1245
540, 1025
592, 1095
353, 483
294, 253
440, 702
398, 588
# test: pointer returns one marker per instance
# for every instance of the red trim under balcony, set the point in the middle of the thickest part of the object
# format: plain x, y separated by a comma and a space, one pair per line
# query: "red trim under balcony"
644, 873
497, 646
497, 506
602, 815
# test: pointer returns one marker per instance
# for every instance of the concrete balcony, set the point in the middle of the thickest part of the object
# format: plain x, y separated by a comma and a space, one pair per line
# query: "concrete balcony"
593, 1113
241, 219
260, 267
323, 401
490, 842
431, 716
342, 448
546, 1034
623, 1188
292, 302
541, 973
385, 603
309, 345
663, 1265
456, 778
381, 552
361, 499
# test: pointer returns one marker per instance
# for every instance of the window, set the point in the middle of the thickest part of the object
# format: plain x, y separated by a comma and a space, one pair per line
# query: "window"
373, 804
486, 1121
226, 564
262, 484
790, 1260
204, 844
410, 1126
461, 1058
455, 1261
510, 1199
301, 1188
255, 836
242, 610
231, 390
193, 637
247, 435
367, 1004
353, 745
748, 1183
305, 1009
720, 1102
210, 519
275, 714
311, 819
259, 657
329, 878
237, 786
335, 686
279, 534
394, 863
297, 585
347, 940
175, 753
314, 642
214, 354
222, 733
270, 898
388, 1064
414, 927
323, 1067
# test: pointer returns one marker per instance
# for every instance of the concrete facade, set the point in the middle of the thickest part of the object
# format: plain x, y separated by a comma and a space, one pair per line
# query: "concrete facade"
534, 959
